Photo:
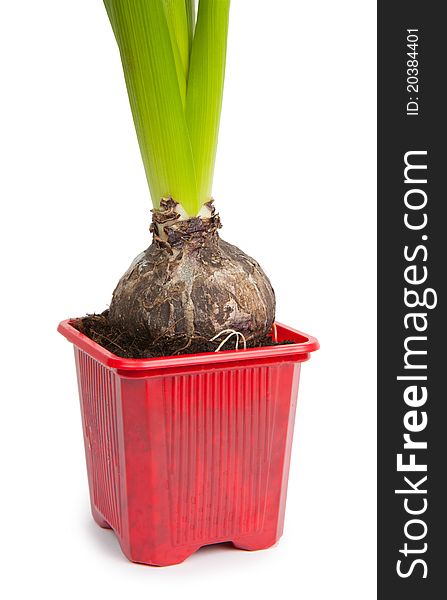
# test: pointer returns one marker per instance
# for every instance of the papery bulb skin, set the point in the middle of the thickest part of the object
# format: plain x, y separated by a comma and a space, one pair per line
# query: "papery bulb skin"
190, 283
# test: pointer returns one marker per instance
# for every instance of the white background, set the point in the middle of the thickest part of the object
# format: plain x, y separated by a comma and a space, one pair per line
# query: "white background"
295, 186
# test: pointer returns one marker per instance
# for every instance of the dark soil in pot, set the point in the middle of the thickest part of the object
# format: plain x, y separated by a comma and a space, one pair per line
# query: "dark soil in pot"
100, 330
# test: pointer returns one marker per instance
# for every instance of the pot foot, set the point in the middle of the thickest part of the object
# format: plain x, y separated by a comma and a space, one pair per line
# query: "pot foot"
99, 519
158, 559
259, 542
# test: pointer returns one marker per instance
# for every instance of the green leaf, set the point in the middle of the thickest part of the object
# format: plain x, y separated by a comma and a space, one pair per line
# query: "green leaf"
174, 70
177, 19
142, 33
205, 89
191, 18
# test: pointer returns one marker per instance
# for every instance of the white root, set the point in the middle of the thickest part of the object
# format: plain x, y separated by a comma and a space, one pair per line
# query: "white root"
231, 333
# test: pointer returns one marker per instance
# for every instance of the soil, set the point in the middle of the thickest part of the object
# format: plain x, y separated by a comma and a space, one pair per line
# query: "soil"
98, 328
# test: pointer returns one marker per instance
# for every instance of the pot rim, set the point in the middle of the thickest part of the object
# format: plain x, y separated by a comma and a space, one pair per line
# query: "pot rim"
296, 352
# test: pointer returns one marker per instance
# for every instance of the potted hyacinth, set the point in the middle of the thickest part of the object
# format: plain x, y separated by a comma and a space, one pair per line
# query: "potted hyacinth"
188, 387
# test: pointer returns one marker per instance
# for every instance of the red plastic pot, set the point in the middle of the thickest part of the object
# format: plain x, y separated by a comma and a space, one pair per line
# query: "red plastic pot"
189, 450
